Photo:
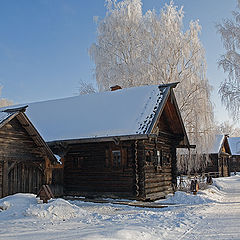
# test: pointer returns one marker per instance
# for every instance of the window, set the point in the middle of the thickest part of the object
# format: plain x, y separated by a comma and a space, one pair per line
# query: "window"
116, 158
77, 162
159, 158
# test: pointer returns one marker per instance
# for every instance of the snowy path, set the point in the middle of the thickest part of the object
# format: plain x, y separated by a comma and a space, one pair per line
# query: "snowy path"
213, 214
220, 220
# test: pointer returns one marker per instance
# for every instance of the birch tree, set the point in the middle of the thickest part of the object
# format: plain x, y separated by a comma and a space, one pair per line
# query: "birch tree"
228, 128
86, 88
118, 48
134, 49
229, 31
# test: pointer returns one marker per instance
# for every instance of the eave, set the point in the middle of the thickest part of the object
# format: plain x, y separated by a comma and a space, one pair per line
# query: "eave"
115, 139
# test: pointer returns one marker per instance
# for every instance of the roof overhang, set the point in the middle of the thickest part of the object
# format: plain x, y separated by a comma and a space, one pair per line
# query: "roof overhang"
115, 139
185, 142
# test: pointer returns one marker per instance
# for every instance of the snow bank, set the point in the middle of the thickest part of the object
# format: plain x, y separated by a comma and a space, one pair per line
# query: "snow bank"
187, 198
14, 206
56, 209
21, 205
24, 218
220, 185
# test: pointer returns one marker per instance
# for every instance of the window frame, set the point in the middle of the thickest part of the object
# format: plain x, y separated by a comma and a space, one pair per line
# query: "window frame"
116, 163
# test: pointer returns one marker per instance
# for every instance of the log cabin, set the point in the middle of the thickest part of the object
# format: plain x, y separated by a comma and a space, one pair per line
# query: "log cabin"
219, 157
25, 158
115, 144
234, 143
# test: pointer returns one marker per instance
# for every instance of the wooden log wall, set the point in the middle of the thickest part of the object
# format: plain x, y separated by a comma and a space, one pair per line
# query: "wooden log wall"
21, 160
157, 177
234, 163
57, 181
219, 164
224, 167
17, 144
89, 170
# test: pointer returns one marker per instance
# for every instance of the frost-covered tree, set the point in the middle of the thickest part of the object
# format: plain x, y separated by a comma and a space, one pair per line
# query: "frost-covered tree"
134, 49
229, 90
228, 128
117, 53
86, 88
3, 101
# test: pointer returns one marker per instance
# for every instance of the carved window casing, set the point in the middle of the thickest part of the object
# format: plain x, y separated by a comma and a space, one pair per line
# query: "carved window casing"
116, 158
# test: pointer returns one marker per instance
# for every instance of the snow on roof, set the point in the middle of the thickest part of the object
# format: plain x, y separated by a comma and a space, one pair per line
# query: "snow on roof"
217, 144
4, 116
123, 112
234, 143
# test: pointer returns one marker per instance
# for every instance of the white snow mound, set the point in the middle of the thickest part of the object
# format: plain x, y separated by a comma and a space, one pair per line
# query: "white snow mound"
187, 198
56, 209
14, 206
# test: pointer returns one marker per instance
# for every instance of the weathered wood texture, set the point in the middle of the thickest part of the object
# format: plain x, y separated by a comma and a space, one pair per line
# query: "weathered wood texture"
223, 165
89, 169
57, 181
157, 156
235, 163
218, 164
157, 173
24, 178
21, 160
17, 144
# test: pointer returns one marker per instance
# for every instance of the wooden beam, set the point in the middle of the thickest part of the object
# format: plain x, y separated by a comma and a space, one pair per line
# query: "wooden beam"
186, 146
33, 135
12, 166
18, 109
5, 178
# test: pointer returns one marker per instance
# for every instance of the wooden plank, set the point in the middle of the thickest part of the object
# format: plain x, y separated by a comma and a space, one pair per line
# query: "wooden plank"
5, 178
154, 196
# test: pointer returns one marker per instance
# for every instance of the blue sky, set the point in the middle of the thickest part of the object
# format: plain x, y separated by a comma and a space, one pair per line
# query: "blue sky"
44, 44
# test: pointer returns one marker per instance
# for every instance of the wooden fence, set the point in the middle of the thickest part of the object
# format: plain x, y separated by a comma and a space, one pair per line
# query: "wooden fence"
184, 181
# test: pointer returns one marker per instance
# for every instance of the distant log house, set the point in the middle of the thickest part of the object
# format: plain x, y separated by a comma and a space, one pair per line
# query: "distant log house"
25, 159
234, 143
219, 157
115, 144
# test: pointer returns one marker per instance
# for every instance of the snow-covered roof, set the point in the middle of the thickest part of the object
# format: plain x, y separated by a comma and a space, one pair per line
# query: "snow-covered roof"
217, 144
118, 113
234, 143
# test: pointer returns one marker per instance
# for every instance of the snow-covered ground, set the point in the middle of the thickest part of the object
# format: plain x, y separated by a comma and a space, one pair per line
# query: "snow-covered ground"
212, 214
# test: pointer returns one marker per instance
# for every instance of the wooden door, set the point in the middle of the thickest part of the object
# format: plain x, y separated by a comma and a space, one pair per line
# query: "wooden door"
24, 178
